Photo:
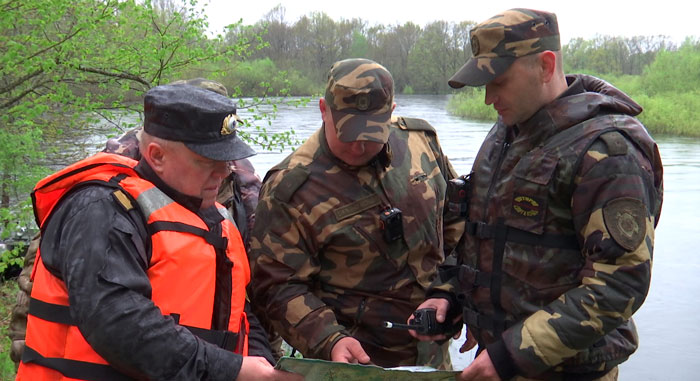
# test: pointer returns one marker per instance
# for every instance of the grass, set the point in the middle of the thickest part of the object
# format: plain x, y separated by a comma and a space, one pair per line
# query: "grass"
666, 113
8, 295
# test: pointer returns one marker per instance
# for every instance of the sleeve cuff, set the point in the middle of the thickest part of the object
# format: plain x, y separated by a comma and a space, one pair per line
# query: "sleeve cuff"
501, 360
330, 342
455, 307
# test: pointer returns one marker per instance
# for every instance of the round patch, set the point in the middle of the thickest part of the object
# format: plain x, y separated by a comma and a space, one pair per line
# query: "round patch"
475, 46
625, 219
526, 206
362, 102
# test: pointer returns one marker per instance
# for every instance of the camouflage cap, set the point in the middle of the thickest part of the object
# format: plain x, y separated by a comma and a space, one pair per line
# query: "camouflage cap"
360, 94
203, 83
497, 42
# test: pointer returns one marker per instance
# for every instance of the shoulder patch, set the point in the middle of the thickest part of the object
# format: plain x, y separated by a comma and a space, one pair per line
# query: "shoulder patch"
415, 124
617, 144
123, 200
625, 219
291, 181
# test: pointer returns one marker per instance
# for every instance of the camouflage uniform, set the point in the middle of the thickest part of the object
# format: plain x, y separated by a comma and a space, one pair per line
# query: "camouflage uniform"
322, 268
557, 254
238, 192
557, 251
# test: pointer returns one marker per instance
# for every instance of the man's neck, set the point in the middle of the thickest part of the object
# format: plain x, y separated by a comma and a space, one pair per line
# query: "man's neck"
145, 171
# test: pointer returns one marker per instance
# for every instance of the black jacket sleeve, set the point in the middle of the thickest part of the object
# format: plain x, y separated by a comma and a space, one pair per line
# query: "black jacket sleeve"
258, 345
96, 247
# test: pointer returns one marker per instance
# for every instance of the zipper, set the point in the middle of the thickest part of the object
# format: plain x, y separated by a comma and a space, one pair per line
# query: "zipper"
496, 173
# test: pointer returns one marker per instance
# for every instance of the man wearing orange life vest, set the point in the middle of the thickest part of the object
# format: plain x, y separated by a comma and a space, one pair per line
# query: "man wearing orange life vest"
140, 273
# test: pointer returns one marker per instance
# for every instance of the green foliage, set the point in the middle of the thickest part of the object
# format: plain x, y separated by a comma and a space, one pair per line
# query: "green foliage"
19, 223
677, 71
470, 104
613, 55
668, 89
69, 65
359, 47
408, 90
436, 55
262, 78
671, 113
8, 295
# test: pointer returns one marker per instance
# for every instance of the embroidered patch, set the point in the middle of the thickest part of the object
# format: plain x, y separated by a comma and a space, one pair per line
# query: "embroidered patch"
526, 205
624, 217
356, 207
475, 46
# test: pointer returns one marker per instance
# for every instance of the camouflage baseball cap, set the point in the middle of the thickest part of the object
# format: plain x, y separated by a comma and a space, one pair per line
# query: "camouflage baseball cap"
497, 42
360, 94
203, 83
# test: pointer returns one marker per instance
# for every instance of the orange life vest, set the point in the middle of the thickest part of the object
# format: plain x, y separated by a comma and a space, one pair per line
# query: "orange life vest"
182, 248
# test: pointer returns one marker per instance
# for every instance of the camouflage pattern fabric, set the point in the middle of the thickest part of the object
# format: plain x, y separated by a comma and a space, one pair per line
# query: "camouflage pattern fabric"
360, 94
560, 239
321, 266
18, 320
203, 83
498, 41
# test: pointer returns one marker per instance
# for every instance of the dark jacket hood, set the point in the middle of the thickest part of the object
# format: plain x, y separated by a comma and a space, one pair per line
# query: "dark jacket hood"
597, 97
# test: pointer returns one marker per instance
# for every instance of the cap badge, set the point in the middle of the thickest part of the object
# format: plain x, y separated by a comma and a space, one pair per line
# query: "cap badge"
475, 46
229, 125
362, 102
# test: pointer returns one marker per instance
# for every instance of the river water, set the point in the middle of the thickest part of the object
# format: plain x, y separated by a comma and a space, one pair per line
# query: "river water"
669, 335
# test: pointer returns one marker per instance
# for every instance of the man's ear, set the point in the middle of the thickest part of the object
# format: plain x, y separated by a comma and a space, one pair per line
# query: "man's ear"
155, 156
548, 65
322, 105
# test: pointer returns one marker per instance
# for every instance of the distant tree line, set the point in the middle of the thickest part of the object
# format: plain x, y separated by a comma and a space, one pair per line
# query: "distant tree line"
421, 59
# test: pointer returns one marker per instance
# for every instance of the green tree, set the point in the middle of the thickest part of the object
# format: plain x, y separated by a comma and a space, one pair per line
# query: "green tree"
435, 57
674, 71
64, 64
391, 47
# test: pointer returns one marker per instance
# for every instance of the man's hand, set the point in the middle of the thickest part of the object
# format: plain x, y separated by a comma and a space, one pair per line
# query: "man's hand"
441, 306
480, 369
257, 368
349, 350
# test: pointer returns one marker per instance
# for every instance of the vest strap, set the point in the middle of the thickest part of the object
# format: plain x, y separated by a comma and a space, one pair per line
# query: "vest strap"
489, 323
468, 277
215, 240
81, 370
482, 230
57, 313
223, 339
50, 312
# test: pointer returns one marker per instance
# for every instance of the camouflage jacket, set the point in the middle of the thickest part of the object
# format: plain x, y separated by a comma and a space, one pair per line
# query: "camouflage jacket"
557, 252
321, 266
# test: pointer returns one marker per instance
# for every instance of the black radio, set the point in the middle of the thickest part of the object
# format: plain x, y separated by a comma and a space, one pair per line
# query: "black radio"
392, 224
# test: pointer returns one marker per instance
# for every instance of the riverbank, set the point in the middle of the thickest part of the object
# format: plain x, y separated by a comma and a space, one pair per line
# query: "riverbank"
668, 113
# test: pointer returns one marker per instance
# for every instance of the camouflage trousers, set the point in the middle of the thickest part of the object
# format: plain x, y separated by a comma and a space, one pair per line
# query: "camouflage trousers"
610, 376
